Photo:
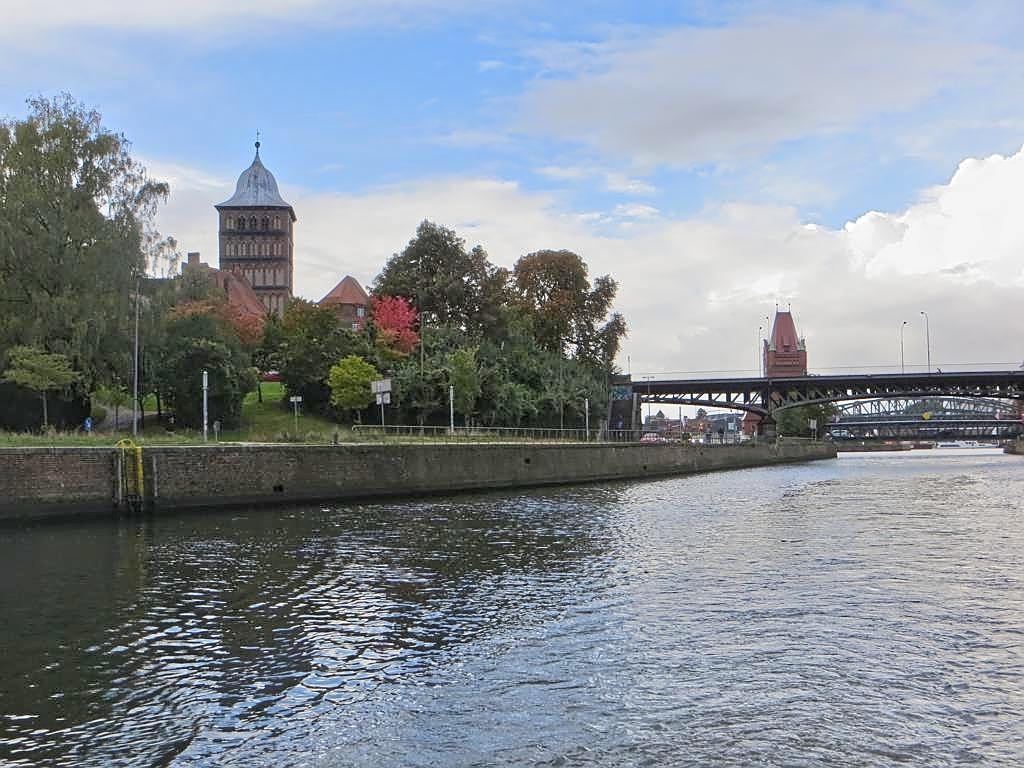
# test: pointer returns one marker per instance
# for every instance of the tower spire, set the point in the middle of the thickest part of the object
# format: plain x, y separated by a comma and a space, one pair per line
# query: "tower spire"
257, 142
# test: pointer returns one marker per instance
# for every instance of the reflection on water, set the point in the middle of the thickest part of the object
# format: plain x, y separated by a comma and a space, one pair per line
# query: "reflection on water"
864, 611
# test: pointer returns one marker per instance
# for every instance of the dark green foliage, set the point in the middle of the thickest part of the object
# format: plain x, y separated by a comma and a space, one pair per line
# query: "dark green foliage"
42, 372
794, 421
443, 280
74, 208
568, 315
310, 341
202, 342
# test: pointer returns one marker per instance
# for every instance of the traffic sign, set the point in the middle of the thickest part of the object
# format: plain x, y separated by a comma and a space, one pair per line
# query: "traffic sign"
381, 386
383, 398
295, 399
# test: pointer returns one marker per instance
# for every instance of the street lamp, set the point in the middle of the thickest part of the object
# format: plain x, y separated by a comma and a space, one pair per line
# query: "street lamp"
648, 380
903, 368
928, 340
760, 362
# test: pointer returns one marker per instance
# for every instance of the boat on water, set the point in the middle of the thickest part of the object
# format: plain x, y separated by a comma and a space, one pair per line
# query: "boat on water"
964, 444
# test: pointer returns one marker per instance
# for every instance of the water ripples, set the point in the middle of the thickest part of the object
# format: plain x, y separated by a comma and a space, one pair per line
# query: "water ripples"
860, 612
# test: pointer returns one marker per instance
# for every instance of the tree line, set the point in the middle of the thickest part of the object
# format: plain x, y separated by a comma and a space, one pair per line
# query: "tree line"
81, 266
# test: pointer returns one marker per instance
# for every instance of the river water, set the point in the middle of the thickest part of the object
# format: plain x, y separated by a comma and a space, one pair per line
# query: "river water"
864, 611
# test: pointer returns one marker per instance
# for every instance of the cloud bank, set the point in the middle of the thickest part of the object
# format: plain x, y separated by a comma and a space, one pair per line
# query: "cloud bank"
695, 290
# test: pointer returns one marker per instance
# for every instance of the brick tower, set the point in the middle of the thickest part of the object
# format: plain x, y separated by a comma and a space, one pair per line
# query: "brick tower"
256, 236
785, 353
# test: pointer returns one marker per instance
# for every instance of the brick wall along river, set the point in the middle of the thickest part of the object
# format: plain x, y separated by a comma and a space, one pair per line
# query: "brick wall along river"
40, 482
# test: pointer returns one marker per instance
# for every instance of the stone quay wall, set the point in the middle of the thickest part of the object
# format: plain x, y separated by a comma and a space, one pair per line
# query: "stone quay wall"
41, 482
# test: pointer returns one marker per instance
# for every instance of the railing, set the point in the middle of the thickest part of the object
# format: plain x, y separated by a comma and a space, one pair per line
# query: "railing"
525, 434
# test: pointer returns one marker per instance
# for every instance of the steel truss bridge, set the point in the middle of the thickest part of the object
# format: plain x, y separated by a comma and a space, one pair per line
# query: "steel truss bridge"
933, 417
764, 396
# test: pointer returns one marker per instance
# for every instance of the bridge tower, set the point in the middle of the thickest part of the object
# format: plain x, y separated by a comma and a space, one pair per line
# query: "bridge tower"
784, 354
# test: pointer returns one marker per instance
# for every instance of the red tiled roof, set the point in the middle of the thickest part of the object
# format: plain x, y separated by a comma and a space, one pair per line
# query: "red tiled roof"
240, 293
348, 291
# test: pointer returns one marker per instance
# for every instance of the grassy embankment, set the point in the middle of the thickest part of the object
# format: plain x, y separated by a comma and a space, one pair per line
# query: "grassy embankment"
268, 421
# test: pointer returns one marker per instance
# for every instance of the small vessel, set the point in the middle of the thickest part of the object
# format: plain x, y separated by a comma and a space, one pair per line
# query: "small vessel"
964, 444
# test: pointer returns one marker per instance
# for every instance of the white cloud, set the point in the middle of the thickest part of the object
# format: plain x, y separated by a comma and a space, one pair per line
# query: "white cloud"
695, 290
201, 15
703, 94
614, 181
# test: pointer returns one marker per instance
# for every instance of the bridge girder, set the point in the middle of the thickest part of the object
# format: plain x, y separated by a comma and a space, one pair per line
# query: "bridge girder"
765, 396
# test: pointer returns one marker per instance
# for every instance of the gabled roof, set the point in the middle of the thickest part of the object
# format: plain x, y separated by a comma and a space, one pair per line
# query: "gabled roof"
256, 188
348, 291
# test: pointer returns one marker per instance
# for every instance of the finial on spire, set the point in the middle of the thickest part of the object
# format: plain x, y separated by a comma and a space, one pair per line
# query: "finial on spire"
257, 142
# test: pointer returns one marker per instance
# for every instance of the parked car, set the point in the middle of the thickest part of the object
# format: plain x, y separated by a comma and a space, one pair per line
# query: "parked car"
652, 437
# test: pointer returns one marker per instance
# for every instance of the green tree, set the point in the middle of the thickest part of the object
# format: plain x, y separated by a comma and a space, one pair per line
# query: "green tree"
311, 341
349, 380
40, 371
199, 342
75, 215
567, 314
464, 376
794, 421
438, 275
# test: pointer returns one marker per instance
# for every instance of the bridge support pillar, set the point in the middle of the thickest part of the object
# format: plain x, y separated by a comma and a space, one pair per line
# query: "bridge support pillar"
766, 428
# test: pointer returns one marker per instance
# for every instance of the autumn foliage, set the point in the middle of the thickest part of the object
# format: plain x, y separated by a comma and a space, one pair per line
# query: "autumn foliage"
395, 320
248, 326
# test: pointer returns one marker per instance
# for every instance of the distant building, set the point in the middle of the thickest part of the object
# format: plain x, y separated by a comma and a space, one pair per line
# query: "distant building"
237, 291
350, 301
257, 236
785, 355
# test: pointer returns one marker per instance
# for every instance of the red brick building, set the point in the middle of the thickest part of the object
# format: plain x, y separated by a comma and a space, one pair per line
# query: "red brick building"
785, 354
257, 236
350, 301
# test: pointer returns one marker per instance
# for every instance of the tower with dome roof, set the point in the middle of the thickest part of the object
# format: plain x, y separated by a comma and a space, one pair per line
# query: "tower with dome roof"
256, 236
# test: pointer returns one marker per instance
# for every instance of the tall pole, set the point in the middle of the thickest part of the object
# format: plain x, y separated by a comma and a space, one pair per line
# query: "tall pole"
757, 353
206, 387
135, 366
451, 409
295, 411
928, 340
903, 368
586, 417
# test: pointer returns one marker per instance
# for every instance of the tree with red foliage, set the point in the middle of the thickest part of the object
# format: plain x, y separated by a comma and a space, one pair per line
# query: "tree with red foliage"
395, 319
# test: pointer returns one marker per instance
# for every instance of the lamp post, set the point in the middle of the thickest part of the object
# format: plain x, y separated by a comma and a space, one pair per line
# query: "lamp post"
648, 380
135, 364
928, 340
903, 368
760, 361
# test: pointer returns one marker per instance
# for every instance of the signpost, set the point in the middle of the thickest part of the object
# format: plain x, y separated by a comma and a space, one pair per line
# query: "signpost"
382, 391
295, 400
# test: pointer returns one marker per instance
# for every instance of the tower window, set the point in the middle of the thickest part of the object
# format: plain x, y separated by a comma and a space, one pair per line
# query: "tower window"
277, 222
229, 223
265, 222
252, 222
241, 222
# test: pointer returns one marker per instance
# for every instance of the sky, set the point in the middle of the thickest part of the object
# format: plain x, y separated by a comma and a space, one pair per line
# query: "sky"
860, 163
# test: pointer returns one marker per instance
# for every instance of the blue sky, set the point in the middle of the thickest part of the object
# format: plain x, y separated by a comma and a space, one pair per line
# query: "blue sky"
714, 157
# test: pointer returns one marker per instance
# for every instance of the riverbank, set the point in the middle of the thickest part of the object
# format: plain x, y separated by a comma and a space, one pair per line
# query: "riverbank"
66, 482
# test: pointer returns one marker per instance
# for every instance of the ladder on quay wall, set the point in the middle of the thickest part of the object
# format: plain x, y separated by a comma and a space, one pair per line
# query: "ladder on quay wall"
131, 479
